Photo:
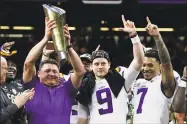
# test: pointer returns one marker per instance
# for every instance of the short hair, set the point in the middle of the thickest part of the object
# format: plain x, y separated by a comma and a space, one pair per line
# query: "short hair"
153, 53
86, 57
11, 63
49, 61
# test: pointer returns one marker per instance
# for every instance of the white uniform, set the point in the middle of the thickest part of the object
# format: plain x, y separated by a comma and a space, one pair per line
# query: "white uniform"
105, 107
151, 106
74, 113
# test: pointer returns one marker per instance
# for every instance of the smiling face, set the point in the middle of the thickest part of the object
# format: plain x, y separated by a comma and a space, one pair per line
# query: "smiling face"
11, 70
151, 68
100, 67
49, 74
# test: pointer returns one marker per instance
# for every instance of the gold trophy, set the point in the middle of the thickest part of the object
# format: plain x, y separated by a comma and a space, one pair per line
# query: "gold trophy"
59, 41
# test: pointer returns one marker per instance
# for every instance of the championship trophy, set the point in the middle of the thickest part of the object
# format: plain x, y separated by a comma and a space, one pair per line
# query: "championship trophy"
59, 40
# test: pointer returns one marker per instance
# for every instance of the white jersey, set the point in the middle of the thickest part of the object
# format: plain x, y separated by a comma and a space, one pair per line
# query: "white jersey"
105, 107
151, 106
74, 113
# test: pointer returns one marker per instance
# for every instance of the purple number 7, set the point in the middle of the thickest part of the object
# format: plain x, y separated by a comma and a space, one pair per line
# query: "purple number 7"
143, 91
107, 99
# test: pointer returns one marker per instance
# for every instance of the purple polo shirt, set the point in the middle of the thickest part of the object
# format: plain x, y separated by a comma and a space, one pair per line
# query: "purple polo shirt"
50, 105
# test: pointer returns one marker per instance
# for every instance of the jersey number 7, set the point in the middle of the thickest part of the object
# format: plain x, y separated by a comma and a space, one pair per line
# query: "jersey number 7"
143, 91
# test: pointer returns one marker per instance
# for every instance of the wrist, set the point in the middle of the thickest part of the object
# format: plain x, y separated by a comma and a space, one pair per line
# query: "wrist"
18, 105
157, 37
133, 34
69, 46
46, 55
45, 38
135, 39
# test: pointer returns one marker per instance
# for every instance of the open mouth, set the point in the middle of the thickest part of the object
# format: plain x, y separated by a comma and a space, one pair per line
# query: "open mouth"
147, 73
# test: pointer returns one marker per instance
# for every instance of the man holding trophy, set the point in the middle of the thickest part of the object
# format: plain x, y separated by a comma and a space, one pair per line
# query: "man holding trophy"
53, 95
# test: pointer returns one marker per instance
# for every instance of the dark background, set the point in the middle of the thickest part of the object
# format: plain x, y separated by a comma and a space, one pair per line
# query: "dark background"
83, 15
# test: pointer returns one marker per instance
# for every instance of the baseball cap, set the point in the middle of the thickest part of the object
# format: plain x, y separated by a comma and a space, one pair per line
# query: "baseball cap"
86, 56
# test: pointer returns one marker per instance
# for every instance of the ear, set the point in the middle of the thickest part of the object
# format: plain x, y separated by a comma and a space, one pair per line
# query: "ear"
38, 73
109, 64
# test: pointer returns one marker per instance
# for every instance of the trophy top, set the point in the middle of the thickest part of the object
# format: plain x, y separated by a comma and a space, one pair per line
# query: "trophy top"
54, 8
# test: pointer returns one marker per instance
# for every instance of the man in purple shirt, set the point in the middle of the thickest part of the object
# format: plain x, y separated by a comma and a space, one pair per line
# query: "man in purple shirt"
53, 95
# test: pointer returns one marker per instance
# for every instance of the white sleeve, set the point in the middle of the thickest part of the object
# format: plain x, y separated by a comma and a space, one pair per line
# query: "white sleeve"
177, 78
83, 111
129, 74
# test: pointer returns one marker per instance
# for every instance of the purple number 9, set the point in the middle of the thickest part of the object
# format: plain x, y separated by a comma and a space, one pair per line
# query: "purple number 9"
143, 91
107, 99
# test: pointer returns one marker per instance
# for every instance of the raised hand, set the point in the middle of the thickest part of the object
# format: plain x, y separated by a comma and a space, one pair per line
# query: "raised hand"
67, 34
49, 26
128, 27
97, 48
151, 28
47, 51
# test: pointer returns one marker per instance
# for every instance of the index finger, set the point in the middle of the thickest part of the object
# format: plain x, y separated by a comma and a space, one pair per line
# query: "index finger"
123, 20
148, 20
97, 48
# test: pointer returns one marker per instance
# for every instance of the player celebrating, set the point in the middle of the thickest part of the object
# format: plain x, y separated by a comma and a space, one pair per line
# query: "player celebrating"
152, 95
104, 94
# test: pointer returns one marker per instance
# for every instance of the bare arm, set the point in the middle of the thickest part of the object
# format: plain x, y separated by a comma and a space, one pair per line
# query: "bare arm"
179, 98
29, 65
168, 81
76, 62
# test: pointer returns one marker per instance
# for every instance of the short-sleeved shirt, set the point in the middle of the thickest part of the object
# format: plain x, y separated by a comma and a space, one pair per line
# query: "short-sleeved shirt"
50, 105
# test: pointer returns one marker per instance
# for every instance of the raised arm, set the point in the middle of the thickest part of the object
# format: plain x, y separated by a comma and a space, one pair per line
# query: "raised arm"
168, 81
76, 62
178, 104
29, 65
138, 53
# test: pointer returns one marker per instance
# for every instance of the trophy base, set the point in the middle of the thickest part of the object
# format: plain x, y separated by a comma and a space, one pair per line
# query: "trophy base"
62, 56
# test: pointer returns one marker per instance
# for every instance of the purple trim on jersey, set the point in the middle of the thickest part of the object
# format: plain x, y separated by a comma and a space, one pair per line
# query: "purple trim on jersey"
50, 105
74, 112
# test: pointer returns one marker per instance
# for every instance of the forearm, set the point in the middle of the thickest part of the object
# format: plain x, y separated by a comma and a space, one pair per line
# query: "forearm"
168, 80
137, 53
76, 61
162, 50
179, 100
36, 51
